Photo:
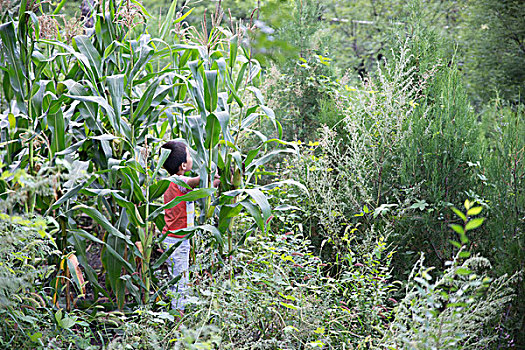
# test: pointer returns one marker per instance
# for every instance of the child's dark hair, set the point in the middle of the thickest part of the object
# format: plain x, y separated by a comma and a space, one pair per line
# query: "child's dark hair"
176, 157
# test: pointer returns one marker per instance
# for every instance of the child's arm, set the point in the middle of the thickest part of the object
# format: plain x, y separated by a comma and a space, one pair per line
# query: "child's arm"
216, 181
193, 181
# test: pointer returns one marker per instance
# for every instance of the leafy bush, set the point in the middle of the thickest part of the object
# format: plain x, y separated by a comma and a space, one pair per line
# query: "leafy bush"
461, 308
355, 169
276, 294
300, 89
442, 139
24, 250
501, 172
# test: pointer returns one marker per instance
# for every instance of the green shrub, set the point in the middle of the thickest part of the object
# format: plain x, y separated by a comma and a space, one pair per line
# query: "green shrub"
501, 173
462, 308
442, 139
24, 249
357, 168
275, 293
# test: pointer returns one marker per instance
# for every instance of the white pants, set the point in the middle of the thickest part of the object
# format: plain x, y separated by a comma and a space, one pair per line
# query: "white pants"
178, 264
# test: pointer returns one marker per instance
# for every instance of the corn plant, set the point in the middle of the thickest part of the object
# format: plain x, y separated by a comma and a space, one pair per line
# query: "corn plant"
101, 106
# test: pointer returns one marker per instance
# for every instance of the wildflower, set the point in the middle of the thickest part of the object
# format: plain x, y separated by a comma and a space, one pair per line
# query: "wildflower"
413, 104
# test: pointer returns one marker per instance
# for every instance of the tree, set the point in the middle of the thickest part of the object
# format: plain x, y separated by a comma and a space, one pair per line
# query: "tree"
494, 39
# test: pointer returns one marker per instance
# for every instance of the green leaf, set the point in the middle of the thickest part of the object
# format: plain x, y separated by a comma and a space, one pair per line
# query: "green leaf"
474, 211
157, 189
70, 194
224, 121
457, 228
228, 211
104, 104
240, 77
258, 95
289, 306
250, 156
103, 221
114, 267
145, 101
197, 95
178, 181
255, 213
197, 128
455, 244
145, 55
474, 223
283, 183
288, 297
66, 322
459, 214
35, 336
210, 90
213, 131
57, 124
258, 197
234, 44
142, 9
8, 90
420, 204
464, 255
262, 202
115, 85
167, 253
463, 271
110, 250
15, 68
189, 197
85, 47
110, 49
164, 154
265, 159
58, 315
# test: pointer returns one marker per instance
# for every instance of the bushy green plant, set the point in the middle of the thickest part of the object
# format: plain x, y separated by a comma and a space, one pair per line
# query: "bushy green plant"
301, 88
24, 250
276, 293
442, 139
501, 173
462, 308
355, 169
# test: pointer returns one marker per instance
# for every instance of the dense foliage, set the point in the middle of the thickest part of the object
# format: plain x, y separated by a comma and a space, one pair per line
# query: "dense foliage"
371, 157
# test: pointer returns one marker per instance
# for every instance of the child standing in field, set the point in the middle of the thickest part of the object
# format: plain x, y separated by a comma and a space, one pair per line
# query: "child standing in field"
181, 216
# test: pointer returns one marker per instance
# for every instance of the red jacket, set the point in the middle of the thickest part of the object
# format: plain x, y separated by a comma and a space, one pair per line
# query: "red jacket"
180, 216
